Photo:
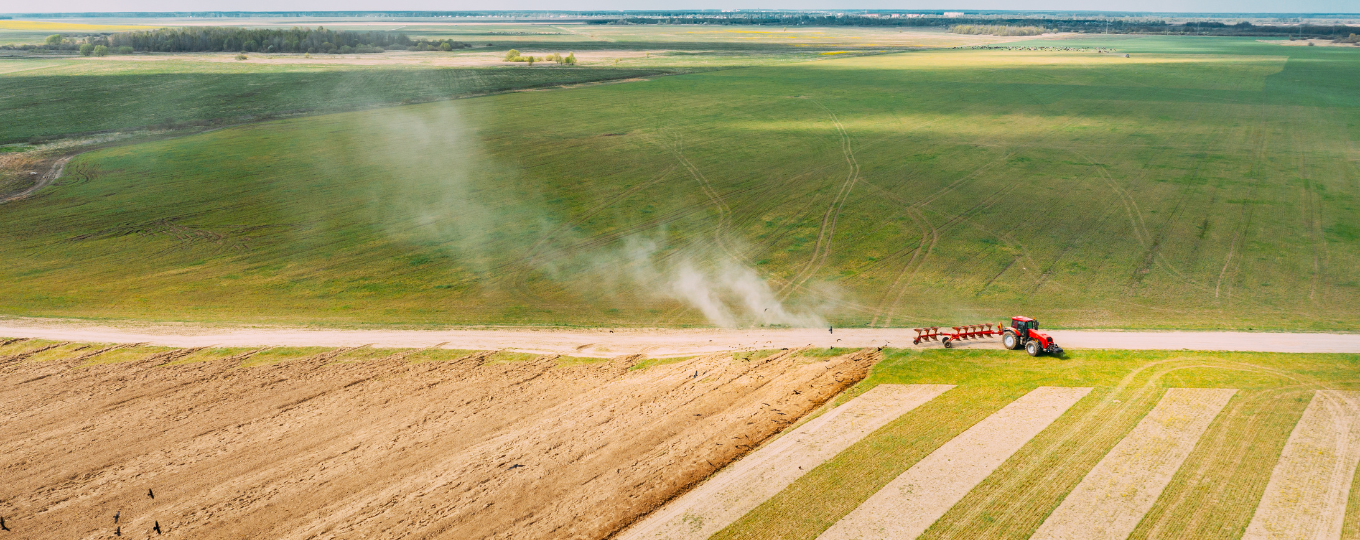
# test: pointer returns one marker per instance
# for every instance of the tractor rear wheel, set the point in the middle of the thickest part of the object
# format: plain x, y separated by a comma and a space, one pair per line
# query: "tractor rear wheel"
1032, 348
1010, 341
948, 343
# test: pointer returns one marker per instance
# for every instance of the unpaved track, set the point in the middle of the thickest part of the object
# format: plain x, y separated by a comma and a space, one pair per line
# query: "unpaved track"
1112, 498
740, 488
605, 342
46, 179
384, 448
909, 504
1307, 492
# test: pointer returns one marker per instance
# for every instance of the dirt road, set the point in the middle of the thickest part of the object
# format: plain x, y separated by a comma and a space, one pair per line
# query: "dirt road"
605, 342
51, 176
385, 448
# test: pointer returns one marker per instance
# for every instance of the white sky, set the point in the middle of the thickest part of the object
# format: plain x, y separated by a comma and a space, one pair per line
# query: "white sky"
1225, 6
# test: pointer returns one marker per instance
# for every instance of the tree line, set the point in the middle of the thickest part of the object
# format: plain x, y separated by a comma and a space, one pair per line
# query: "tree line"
1116, 25
221, 39
995, 30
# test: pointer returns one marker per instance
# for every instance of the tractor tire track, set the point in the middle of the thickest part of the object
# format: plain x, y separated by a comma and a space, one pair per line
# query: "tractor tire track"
45, 180
827, 232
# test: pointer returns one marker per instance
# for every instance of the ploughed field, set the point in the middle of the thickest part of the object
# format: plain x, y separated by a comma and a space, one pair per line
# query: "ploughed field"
927, 443
1199, 182
362, 442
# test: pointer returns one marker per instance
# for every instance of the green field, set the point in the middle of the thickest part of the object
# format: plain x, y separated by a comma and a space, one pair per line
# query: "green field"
1199, 183
1213, 495
48, 98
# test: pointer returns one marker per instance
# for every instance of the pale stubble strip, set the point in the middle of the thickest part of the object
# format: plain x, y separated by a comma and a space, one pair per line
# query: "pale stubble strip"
909, 504
1112, 498
746, 484
1306, 495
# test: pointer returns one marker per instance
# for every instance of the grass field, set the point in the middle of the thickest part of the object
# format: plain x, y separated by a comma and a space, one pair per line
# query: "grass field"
1201, 183
46, 98
1212, 495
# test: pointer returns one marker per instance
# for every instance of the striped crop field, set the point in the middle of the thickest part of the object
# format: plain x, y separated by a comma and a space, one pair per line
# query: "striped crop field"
1109, 445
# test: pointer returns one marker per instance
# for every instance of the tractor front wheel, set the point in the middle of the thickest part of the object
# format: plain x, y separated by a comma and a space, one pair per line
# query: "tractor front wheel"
1032, 348
1010, 341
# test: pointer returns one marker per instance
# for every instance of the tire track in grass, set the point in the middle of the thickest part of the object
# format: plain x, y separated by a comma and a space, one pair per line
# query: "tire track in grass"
820, 498
822, 250
749, 482
1310, 486
1216, 491
1316, 240
1116, 494
910, 503
1247, 209
893, 296
1140, 228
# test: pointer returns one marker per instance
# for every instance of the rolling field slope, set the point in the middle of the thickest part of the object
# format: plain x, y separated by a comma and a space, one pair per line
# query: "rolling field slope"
1206, 183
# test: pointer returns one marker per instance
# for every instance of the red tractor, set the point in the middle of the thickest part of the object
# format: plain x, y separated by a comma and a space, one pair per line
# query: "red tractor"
1024, 332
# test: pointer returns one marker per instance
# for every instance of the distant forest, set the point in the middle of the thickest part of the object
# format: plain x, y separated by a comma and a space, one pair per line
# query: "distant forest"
296, 40
1083, 25
219, 39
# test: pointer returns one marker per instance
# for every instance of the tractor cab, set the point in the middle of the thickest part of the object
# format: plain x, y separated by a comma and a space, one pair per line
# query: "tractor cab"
1022, 324
1024, 333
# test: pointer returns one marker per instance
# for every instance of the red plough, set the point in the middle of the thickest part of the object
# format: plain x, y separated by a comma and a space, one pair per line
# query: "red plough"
946, 338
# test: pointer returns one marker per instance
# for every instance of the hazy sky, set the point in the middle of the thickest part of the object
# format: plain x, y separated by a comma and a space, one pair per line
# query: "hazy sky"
1235, 6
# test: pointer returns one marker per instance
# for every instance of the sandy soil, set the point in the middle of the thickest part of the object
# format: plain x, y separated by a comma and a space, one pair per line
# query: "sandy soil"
740, 488
1307, 492
650, 342
1112, 498
909, 504
380, 449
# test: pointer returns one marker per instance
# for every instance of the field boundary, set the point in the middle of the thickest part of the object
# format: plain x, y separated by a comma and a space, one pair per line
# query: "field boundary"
744, 485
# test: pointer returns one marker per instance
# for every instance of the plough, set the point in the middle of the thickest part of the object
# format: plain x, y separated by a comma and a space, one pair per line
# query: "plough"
947, 338
1023, 333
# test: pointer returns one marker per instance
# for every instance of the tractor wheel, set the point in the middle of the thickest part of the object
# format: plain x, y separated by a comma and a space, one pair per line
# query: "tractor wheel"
1010, 341
1032, 348
948, 343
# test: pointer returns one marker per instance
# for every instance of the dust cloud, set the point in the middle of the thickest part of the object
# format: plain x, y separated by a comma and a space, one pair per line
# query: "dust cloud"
436, 184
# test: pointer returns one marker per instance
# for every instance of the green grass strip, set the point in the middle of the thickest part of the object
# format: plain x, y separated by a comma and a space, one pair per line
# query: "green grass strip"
1019, 495
1216, 490
826, 494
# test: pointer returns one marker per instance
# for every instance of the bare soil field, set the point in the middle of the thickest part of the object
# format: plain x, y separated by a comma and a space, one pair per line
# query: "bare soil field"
332, 445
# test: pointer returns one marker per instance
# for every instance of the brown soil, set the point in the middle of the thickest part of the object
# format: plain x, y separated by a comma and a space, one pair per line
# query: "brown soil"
381, 449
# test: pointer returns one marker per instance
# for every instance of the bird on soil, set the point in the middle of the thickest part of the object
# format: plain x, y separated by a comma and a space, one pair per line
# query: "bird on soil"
116, 515
3, 527
150, 493
118, 531
157, 528
515, 466
831, 329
